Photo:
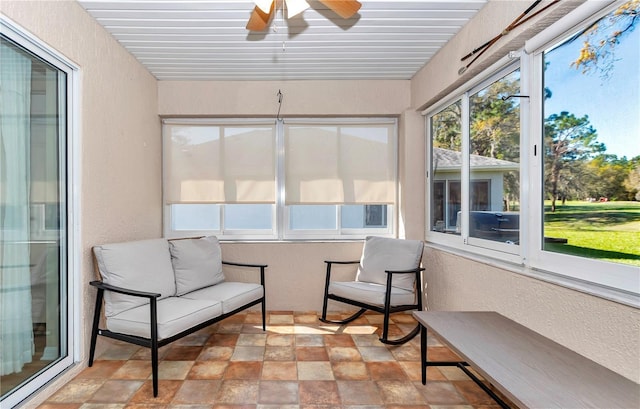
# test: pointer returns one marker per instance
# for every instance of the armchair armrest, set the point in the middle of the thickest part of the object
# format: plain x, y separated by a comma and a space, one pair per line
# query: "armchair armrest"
232, 263
127, 291
413, 270
342, 262
260, 266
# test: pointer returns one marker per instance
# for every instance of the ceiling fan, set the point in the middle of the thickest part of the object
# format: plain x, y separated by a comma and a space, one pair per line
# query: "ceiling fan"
263, 11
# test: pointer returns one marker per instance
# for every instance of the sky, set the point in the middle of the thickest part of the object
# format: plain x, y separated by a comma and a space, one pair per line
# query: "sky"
613, 104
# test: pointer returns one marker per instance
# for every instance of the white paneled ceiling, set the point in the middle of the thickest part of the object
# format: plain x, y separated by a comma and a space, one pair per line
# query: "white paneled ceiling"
207, 39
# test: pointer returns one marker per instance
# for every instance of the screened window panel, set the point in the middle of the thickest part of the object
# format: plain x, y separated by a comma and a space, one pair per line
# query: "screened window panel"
220, 164
343, 164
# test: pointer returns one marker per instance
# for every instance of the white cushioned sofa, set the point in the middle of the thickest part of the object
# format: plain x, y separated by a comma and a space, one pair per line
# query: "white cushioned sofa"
157, 291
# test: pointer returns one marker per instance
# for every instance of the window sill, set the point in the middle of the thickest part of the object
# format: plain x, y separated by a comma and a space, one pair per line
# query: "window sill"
607, 293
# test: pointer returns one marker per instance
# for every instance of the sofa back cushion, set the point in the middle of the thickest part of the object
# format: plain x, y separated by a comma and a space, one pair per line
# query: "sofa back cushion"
197, 263
143, 265
381, 253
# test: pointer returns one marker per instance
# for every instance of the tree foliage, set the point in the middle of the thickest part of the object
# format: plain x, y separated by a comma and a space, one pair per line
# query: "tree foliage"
446, 128
601, 38
495, 122
569, 140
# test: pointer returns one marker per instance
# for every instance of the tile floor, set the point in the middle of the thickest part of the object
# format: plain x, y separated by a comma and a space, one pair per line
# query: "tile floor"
298, 363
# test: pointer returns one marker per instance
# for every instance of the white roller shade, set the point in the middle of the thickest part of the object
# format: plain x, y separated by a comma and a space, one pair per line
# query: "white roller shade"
340, 164
219, 163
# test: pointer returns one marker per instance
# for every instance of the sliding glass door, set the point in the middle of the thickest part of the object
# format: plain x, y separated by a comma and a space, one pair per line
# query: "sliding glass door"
34, 290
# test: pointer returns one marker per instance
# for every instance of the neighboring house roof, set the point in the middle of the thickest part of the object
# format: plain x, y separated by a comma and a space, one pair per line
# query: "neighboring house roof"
445, 159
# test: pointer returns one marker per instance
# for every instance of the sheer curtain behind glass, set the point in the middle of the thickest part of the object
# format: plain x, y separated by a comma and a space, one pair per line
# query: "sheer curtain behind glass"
16, 332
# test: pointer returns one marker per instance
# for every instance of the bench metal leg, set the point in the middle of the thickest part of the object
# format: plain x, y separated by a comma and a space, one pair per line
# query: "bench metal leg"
462, 365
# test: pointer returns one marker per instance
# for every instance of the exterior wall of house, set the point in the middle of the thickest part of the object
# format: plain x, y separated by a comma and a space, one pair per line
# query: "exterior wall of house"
604, 331
120, 147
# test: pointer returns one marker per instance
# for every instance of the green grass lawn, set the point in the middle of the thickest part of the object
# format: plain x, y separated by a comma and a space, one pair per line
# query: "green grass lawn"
608, 231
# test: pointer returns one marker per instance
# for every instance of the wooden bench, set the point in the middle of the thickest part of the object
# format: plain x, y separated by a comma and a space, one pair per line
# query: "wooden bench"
530, 370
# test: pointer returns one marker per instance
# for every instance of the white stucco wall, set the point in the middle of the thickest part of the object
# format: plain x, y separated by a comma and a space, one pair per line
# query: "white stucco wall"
119, 137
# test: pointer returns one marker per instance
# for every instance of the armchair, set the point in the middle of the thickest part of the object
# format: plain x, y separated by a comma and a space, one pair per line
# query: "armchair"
388, 280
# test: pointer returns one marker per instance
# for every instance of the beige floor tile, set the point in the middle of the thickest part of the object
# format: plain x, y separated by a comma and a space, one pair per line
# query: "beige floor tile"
245, 353
177, 370
350, 371
207, 370
315, 371
279, 371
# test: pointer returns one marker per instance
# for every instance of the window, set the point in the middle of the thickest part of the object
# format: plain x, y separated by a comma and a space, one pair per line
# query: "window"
220, 177
36, 244
586, 191
539, 166
475, 166
297, 179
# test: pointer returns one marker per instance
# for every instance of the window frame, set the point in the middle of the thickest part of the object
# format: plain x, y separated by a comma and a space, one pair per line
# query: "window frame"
70, 180
463, 242
620, 278
280, 210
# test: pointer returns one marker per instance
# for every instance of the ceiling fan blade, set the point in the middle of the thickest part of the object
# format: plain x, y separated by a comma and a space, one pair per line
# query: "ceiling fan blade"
343, 8
259, 19
295, 7
264, 5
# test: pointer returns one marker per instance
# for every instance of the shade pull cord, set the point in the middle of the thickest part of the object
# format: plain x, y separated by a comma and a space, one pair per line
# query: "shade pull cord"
280, 96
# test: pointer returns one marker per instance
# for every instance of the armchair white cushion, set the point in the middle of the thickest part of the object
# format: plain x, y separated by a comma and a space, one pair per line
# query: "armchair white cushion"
371, 293
382, 253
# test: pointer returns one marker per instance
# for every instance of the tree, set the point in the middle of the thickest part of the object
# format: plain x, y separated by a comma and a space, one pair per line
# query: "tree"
632, 182
567, 139
600, 39
446, 128
607, 177
495, 122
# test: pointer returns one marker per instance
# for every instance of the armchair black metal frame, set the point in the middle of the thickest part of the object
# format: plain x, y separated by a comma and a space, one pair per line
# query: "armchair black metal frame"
385, 309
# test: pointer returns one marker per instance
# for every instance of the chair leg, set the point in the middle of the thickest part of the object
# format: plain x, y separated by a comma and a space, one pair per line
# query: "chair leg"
94, 328
264, 315
341, 322
154, 345
402, 340
154, 368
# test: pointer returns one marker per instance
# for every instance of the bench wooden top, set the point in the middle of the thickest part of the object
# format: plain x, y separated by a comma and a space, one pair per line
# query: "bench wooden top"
531, 370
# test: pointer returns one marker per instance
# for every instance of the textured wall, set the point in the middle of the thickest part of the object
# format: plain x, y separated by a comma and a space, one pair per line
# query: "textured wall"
296, 273
258, 98
120, 157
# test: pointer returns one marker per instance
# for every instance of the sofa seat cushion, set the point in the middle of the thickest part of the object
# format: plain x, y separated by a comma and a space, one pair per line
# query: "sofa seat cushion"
175, 315
371, 293
382, 253
232, 295
197, 263
143, 265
